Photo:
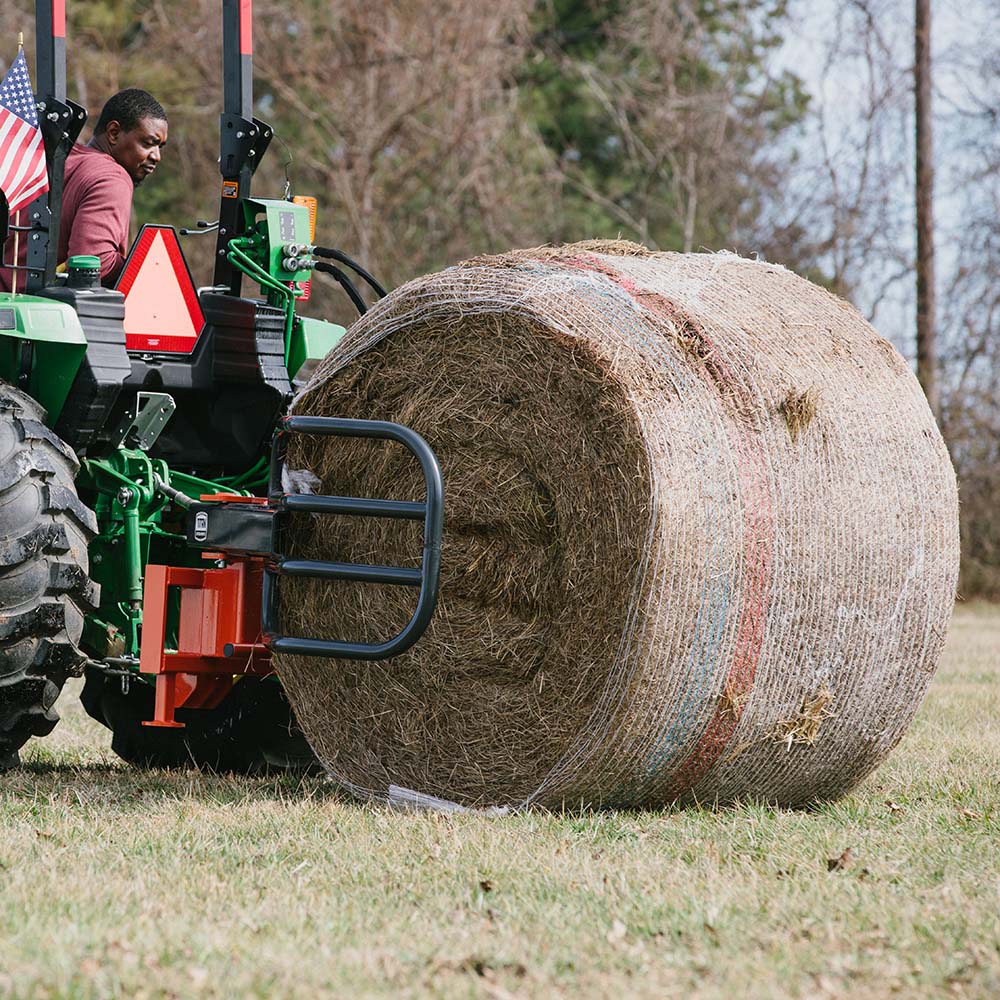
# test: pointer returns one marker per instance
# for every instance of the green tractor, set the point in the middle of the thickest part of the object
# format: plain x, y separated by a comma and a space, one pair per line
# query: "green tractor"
143, 495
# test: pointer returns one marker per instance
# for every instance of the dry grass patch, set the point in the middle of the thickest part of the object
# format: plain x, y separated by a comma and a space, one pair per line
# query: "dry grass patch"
119, 883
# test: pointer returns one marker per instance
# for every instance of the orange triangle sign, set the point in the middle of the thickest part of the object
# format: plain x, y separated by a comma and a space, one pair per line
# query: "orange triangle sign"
162, 314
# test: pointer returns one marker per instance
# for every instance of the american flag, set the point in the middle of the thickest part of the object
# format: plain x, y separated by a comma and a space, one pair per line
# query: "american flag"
22, 155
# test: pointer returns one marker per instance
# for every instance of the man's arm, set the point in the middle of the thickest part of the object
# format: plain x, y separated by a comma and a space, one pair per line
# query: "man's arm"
100, 225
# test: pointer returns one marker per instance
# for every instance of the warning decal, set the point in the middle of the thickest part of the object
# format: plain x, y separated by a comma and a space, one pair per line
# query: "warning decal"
162, 314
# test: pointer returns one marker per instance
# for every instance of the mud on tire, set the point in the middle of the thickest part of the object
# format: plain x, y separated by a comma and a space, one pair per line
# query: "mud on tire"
45, 590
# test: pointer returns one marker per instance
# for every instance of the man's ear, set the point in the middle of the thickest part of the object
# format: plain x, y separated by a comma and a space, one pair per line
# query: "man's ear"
113, 132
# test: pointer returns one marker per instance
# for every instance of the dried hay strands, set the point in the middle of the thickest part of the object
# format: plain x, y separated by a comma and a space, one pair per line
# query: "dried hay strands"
701, 536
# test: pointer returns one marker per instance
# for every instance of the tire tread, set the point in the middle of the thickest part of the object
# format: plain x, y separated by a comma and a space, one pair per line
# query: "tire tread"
39, 637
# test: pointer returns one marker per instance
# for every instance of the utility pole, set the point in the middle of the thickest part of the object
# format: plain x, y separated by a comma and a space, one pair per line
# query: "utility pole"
927, 358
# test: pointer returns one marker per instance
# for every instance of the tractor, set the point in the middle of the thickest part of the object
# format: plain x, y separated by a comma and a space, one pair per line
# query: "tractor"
143, 429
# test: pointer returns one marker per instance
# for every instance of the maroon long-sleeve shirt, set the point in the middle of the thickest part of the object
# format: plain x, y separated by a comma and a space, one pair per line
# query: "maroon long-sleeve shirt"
97, 204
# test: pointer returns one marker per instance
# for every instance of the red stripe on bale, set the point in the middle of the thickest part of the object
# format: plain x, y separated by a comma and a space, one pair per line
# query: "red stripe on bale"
759, 533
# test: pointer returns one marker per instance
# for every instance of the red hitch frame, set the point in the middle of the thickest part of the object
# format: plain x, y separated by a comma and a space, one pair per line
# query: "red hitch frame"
219, 629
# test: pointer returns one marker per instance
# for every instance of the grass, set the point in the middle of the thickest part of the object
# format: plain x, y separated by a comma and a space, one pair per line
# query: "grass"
115, 882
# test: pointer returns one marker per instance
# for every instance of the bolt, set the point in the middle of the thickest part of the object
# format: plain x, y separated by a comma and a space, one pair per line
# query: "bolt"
52, 116
124, 496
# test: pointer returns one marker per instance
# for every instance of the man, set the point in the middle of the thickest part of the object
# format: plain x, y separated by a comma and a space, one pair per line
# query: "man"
99, 180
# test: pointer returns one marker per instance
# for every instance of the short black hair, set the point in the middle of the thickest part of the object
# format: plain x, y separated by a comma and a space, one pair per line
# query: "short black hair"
128, 108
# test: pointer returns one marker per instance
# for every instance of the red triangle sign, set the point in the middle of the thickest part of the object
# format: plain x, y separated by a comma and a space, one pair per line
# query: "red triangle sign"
162, 314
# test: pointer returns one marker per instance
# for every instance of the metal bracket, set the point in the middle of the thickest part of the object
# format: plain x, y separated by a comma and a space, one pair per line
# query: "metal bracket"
144, 420
60, 122
243, 143
265, 134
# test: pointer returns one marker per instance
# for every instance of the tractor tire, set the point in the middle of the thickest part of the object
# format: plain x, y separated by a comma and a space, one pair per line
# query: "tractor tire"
252, 731
45, 589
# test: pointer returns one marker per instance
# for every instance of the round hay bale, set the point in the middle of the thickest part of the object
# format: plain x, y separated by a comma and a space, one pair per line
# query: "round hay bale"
701, 536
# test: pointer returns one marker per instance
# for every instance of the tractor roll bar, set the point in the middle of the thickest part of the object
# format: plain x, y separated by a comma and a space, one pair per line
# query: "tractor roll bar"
60, 121
243, 139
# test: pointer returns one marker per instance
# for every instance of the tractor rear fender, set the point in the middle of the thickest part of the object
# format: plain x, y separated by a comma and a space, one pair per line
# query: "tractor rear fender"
41, 347
311, 341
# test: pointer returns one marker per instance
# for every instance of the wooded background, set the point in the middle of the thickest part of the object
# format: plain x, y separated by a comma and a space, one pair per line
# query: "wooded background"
435, 131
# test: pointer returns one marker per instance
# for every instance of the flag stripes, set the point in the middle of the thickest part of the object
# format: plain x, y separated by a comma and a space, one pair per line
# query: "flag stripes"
23, 174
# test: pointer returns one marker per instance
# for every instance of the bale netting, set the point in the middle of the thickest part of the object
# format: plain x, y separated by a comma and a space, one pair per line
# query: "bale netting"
700, 544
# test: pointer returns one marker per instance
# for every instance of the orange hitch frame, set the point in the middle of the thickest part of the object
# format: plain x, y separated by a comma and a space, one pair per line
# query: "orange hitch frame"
219, 630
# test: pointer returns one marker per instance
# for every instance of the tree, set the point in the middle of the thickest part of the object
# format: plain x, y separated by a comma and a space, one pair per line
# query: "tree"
970, 327
664, 118
844, 217
927, 361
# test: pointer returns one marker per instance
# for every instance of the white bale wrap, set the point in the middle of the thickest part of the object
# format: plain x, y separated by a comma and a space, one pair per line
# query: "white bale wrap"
701, 536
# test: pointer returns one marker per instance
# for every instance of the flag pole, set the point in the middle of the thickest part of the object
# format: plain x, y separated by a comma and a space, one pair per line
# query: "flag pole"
17, 214
13, 270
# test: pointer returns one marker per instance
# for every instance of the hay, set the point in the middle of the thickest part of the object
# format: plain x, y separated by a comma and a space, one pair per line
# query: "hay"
700, 540
798, 409
805, 726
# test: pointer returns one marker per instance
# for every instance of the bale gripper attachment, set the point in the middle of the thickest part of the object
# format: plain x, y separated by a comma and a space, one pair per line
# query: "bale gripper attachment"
431, 512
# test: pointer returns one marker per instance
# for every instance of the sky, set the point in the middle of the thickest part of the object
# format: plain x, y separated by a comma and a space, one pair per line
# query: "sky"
840, 97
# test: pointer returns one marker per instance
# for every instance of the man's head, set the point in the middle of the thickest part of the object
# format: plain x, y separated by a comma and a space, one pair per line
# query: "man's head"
133, 129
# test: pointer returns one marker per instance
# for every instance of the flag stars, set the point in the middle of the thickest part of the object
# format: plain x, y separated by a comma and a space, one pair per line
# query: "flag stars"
16, 94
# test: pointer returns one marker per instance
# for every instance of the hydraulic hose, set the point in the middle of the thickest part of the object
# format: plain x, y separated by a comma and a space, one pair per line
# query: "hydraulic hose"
240, 260
337, 255
346, 283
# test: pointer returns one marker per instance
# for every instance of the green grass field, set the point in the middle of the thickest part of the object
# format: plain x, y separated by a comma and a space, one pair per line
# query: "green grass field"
115, 882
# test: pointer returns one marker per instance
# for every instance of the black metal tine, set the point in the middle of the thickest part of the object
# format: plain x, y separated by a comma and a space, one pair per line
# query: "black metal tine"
356, 506
431, 511
396, 575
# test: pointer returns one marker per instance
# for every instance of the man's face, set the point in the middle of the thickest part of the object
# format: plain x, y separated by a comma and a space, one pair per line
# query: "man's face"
138, 150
